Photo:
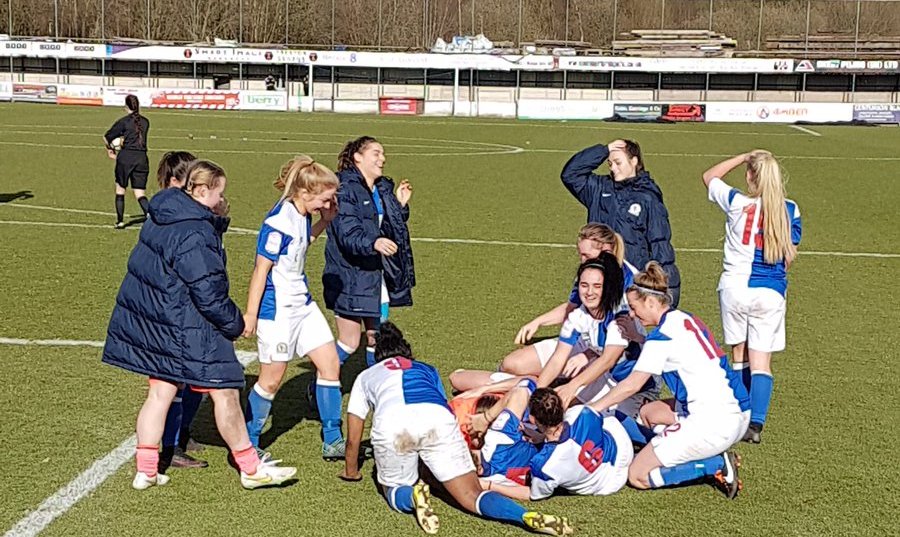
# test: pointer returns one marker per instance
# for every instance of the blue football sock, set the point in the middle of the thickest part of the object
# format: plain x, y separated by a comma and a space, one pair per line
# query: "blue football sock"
744, 369
190, 403
173, 423
760, 395
385, 311
259, 404
638, 433
498, 507
400, 498
328, 396
370, 356
344, 352
686, 472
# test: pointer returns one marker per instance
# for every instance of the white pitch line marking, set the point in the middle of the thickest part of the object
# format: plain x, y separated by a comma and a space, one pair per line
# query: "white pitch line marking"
449, 240
807, 131
65, 498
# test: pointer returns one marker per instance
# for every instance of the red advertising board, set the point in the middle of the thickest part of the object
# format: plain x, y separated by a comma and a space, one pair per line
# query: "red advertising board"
400, 106
202, 99
684, 112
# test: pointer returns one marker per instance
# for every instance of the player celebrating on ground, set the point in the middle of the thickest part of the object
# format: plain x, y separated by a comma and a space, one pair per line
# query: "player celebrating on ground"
583, 452
501, 453
593, 239
762, 231
711, 402
594, 325
131, 158
280, 308
411, 422
174, 322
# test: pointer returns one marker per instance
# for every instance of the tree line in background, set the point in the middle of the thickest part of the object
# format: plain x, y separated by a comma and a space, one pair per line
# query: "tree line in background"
416, 24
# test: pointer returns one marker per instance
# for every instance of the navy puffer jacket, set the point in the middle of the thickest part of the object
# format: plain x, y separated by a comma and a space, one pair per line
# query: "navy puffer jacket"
173, 317
353, 269
634, 208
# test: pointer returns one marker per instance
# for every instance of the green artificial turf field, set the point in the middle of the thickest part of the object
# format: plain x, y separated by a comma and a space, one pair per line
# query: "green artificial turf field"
823, 467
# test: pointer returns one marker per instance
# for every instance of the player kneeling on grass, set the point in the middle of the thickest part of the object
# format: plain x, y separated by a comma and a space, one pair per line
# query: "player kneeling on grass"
280, 308
174, 322
595, 326
710, 411
412, 421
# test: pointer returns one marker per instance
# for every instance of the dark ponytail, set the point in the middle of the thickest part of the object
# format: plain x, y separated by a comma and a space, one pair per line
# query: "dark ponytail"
345, 158
134, 105
390, 343
633, 150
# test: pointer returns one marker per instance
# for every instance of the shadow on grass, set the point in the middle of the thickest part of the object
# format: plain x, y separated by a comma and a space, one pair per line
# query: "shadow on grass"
290, 407
7, 197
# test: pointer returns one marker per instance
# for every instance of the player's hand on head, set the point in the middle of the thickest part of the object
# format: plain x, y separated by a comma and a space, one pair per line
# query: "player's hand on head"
478, 424
385, 246
567, 393
616, 145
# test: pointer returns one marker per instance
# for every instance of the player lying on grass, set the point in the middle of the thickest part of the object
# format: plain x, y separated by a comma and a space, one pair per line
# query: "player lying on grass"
280, 307
174, 322
501, 453
412, 422
762, 232
710, 411
582, 452
593, 327
531, 358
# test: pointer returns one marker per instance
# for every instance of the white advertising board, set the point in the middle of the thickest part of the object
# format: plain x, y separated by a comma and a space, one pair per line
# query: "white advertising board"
785, 112
556, 109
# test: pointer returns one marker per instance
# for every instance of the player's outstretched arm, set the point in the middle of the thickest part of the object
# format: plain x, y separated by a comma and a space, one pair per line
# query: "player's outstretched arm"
622, 390
515, 492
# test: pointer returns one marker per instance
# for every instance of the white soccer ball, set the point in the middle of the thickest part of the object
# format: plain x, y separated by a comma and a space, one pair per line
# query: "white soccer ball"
116, 144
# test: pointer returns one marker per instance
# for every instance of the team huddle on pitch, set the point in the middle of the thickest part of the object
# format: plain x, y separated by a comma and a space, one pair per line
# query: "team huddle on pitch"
582, 413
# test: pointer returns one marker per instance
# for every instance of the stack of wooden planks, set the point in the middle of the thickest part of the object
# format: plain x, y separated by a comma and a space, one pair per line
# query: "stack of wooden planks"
836, 46
681, 43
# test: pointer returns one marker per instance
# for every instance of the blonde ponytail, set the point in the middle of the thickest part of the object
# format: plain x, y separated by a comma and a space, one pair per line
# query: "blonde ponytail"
767, 184
652, 281
304, 173
603, 234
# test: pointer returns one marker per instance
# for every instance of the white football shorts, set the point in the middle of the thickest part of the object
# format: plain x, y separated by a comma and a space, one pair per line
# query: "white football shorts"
755, 315
698, 436
425, 431
294, 332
